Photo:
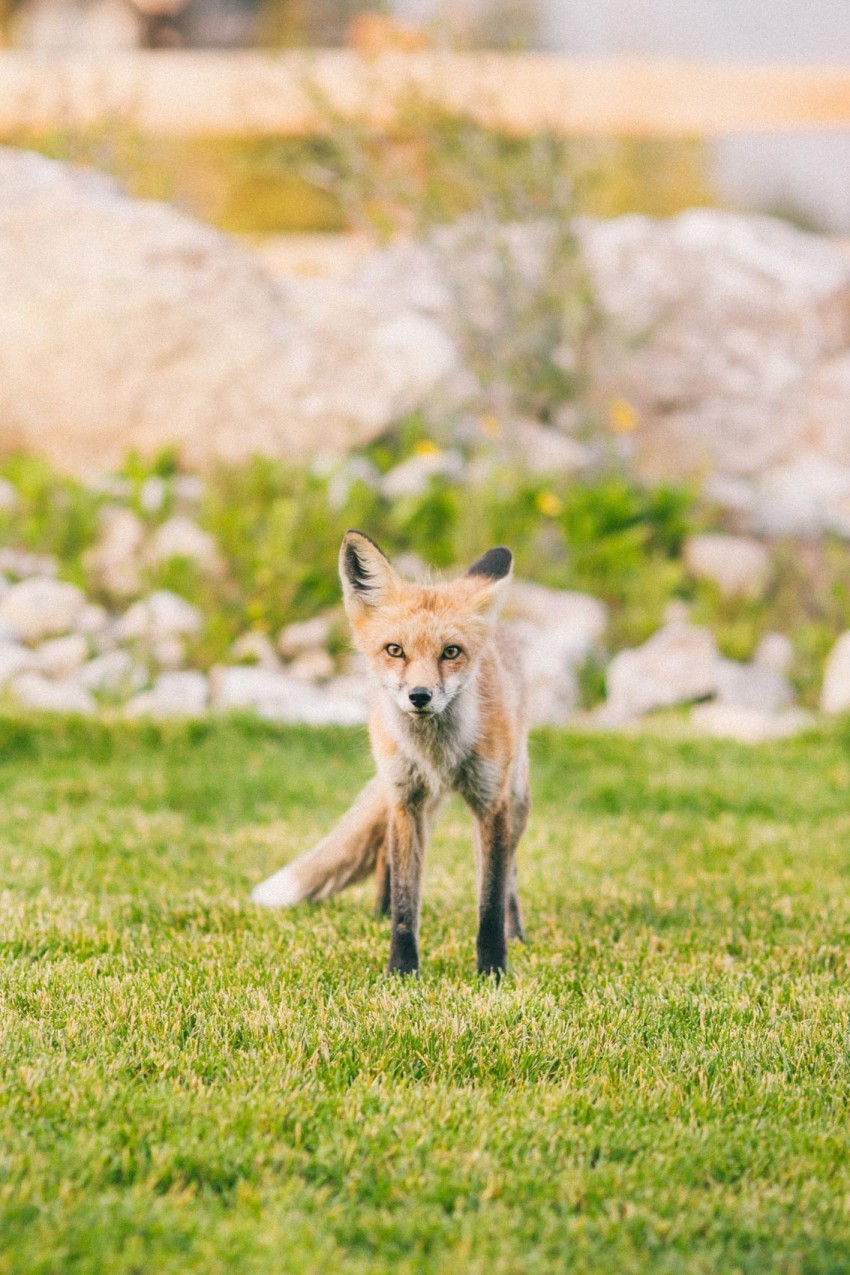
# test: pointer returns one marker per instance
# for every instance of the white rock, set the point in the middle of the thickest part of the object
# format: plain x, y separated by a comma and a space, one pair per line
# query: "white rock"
20, 564
749, 725
804, 497
335, 703
304, 635
280, 697
738, 565
679, 663
181, 537
9, 497
755, 686
312, 666
34, 690
14, 659
159, 330
543, 450
39, 607
168, 653
558, 608
114, 673
153, 493
835, 693
775, 651
413, 476
92, 621
255, 648
183, 694
115, 560
188, 488
160, 615
556, 631
61, 656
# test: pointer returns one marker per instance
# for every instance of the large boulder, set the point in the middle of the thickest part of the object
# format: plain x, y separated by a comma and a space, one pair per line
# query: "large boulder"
126, 325
735, 347
678, 664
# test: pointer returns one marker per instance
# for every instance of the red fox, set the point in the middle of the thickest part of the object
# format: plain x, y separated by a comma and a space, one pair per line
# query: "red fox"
449, 715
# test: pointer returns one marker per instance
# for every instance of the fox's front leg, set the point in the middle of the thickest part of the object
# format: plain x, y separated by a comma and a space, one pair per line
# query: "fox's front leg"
495, 844
406, 852
382, 882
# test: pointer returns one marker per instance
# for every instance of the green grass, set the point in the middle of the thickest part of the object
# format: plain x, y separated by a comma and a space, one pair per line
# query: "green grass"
189, 1084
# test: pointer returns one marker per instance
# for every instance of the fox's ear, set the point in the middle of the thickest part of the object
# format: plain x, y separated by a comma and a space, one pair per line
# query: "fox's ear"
491, 573
365, 572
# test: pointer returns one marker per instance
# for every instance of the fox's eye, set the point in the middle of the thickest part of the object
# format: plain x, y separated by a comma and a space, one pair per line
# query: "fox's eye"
451, 652
393, 649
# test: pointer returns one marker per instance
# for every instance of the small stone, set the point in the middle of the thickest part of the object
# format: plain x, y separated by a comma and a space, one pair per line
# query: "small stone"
302, 636
181, 537
9, 497
255, 648
835, 694
114, 673
738, 565
188, 488
775, 651
312, 666
61, 656
20, 564
544, 450
678, 664
14, 659
282, 698
160, 615
93, 620
183, 694
169, 653
755, 686
39, 608
152, 494
34, 690
115, 561
749, 725
556, 632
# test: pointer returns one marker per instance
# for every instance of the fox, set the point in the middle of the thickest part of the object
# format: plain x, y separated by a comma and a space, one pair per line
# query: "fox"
448, 715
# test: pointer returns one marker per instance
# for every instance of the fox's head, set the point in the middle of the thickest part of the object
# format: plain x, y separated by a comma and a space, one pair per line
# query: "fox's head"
423, 642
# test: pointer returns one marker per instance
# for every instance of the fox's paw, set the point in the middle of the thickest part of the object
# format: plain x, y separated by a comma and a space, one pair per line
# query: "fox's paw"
283, 890
404, 956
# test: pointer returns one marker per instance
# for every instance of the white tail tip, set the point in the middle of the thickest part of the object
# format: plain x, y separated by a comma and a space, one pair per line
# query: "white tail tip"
282, 890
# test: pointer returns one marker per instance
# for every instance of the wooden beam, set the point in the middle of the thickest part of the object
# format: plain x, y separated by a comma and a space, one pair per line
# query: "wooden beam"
249, 93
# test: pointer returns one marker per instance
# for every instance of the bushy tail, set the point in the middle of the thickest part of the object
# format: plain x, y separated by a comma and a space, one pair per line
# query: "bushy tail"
349, 853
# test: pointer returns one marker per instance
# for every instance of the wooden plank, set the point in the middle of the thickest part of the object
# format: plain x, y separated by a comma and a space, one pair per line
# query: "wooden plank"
249, 93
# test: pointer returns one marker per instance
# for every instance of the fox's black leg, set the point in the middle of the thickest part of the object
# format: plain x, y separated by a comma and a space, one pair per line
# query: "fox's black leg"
494, 841
406, 848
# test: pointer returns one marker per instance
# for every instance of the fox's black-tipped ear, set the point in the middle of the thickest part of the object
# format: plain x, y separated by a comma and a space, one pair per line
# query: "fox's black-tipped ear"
489, 575
365, 572
495, 564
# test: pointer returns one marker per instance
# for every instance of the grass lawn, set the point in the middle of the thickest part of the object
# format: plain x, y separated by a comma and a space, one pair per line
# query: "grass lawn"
189, 1084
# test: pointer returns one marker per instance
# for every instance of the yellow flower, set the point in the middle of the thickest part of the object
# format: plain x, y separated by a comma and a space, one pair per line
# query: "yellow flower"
623, 417
549, 504
490, 424
425, 447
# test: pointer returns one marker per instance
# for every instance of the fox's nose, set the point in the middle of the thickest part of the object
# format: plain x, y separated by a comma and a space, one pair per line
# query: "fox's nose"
420, 696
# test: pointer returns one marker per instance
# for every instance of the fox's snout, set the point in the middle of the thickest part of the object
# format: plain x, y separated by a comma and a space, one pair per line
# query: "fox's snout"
420, 697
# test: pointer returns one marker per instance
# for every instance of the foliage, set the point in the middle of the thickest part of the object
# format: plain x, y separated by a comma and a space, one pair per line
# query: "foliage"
278, 529
193, 1085
434, 168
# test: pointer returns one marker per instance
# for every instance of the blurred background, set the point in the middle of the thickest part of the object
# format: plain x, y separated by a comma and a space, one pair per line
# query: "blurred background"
571, 276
